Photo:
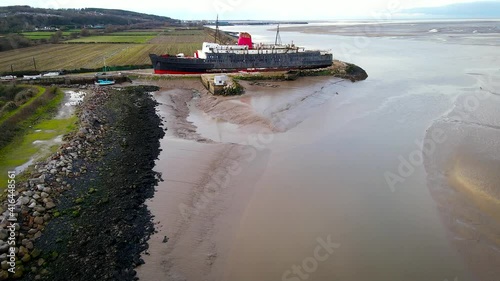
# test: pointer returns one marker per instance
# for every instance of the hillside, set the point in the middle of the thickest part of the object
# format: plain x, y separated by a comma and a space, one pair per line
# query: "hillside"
24, 18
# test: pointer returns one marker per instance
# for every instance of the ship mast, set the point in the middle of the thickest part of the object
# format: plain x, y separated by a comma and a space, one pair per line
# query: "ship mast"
278, 37
216, 29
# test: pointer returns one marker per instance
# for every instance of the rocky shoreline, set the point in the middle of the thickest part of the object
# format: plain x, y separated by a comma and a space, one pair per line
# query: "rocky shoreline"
81, 215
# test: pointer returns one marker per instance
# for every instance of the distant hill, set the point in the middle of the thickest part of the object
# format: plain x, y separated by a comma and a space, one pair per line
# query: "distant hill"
477, 10
23, 18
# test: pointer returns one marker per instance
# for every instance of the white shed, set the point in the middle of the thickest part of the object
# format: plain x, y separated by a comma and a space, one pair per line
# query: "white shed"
220, 80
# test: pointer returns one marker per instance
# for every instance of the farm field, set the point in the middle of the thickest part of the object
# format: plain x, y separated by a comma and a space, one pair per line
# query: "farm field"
183, 32
135, 38
114, 49
183, 36
75, 56
35, 35
136, 33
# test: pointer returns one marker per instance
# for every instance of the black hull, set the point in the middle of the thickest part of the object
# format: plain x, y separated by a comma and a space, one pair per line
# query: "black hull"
175, 65
228, 62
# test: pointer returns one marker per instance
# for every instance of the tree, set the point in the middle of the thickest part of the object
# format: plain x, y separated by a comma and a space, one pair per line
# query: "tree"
14, 41
110, 29
84, 32
56, 37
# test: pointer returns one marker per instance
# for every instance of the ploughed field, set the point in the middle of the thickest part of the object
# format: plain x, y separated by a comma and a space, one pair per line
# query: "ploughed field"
114, 49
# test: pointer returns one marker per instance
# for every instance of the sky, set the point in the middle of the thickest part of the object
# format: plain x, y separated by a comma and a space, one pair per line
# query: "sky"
252, 9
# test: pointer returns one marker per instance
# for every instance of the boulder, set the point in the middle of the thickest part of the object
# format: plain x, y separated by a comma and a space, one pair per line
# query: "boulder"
49, 205
4, 275
38, 220
4, 233
24, 200
4, 248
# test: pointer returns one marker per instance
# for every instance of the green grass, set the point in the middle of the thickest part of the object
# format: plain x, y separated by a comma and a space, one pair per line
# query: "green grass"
133, 33
138, 39
41, 91
35, 35
183, 32
22, 149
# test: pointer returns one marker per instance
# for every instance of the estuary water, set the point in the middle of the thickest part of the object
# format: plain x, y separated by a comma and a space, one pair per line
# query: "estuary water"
392, 178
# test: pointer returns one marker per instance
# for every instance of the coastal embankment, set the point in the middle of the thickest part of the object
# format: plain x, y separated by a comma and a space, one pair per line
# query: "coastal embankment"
80, 212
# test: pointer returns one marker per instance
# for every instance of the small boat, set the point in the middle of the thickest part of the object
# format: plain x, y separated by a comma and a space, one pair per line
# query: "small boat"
104, 82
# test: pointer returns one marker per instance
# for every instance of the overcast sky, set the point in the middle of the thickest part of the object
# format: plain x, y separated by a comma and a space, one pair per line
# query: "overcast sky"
249, 9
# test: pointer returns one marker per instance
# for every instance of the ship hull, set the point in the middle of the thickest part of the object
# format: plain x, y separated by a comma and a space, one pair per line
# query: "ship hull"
230, 62
175, 65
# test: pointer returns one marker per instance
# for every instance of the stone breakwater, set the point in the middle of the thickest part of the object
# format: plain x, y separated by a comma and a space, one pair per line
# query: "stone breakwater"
35, 202
66, 204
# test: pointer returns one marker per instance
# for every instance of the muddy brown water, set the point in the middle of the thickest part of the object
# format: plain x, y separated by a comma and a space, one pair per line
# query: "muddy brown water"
336, 185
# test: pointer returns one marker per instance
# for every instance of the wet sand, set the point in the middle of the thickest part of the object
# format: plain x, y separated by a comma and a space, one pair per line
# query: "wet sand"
464, 180
479, 32
205, 190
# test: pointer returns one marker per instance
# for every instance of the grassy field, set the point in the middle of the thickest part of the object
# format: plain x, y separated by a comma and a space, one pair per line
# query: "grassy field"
135, 33
35, 125
139, 39
22, 149
183, 36
183, 32
36, 35
112, 48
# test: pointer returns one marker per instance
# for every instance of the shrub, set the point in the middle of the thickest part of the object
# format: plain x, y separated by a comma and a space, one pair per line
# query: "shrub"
233, 90
8, 92
9, 106
84, 32
14, 41
26, 116
23, 96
